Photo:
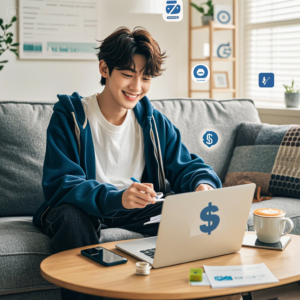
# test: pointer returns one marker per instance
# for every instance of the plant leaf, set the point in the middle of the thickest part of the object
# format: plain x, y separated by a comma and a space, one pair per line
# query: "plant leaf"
199, 8
208, 3
9, 34
1, 21
293, 83
3, 61
2, 26
14, 19
9, 40
1, 67
6, 26
15, 44
14, 51
210, 12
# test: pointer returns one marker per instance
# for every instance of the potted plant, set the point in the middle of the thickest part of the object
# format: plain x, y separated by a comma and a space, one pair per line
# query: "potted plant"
209, 15
7, 39
291, 96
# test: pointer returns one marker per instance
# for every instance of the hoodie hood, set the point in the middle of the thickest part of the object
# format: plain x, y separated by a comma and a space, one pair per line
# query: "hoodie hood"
72, 107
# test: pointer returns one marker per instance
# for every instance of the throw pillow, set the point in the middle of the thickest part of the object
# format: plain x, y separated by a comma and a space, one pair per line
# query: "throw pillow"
268, 155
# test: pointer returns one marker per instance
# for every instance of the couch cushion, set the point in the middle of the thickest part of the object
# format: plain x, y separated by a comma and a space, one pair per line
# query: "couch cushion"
23, 141
194, 117
267, 155
290, 205
22, 249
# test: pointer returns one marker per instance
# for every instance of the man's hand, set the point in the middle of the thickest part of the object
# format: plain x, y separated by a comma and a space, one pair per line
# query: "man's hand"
136, 196
203, 187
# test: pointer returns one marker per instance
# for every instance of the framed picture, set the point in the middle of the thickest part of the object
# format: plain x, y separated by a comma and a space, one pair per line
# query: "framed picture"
220, 80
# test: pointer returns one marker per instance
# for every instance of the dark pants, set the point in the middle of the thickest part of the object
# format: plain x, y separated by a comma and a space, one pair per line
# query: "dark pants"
70, 227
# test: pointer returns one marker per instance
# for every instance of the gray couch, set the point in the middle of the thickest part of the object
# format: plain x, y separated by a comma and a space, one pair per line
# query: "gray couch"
22, 147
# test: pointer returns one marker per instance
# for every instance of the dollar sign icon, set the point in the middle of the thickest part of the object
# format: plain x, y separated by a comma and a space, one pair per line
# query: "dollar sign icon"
206, 216
209, 139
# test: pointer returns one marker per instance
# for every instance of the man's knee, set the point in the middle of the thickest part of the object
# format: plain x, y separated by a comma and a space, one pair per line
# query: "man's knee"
69, 215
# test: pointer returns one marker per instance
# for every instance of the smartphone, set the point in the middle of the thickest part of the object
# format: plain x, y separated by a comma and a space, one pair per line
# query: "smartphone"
104, 257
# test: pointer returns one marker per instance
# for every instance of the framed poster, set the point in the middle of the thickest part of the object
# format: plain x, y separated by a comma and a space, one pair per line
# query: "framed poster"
58, 29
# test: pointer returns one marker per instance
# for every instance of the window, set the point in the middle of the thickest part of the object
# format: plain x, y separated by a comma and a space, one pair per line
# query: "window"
271, 45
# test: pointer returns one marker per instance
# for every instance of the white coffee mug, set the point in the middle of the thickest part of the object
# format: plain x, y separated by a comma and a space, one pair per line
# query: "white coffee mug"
269, 224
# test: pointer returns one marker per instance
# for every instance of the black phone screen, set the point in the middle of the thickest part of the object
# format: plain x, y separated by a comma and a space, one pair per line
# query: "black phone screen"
103, 255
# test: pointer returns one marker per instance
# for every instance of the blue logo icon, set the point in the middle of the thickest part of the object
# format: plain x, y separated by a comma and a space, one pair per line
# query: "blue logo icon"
225, 52
210, 138
223, 278
266, 80
206, 216
173, 9
223, 17
200, 73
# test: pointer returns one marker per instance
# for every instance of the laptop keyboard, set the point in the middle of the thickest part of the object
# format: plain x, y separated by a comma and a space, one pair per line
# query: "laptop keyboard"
149, 252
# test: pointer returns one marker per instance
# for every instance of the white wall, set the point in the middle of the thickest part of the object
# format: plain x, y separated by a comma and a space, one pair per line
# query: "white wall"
42, 80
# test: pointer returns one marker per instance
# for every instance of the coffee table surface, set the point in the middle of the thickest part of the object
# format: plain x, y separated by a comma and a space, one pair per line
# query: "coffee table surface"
69, 269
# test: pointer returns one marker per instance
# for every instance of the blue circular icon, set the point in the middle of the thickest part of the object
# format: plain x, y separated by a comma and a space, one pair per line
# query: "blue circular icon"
223, 17
200, 71
210, 138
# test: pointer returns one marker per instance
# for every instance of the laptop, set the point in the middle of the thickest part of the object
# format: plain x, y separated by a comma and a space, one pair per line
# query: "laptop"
195, 226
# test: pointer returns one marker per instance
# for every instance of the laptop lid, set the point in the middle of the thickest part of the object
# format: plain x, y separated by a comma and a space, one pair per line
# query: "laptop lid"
200, 225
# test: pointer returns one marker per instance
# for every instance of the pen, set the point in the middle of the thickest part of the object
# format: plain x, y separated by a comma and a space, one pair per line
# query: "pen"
135, 180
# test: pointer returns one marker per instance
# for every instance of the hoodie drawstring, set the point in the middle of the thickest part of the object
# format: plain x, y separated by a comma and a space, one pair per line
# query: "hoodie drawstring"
158, 156
77, 132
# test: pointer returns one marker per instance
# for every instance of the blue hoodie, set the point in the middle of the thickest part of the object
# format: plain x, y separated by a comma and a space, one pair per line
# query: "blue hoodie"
69, 172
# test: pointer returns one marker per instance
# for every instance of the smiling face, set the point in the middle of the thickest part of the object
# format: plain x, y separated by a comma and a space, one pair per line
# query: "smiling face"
125, 88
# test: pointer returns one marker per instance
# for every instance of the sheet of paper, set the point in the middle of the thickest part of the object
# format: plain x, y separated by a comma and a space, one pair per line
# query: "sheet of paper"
204, 282
153, 220
241, 275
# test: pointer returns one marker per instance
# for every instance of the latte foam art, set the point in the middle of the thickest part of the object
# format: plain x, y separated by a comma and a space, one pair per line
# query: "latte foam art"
269, 212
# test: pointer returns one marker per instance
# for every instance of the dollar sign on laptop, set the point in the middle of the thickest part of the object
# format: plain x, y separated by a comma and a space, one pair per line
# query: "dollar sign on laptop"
207, 216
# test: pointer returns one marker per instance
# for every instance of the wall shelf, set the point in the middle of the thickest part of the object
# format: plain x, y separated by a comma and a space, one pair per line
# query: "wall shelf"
215, 27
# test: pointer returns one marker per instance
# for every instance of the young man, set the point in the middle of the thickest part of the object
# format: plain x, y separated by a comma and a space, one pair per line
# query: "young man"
97, 143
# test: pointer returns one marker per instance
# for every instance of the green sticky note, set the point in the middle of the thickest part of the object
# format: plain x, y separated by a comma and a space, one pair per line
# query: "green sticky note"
196, 274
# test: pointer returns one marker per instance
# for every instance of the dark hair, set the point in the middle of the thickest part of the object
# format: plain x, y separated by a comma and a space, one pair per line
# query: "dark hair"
118, 49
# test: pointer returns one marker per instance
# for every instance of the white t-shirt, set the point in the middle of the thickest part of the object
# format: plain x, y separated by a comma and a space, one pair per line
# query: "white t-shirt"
119, 150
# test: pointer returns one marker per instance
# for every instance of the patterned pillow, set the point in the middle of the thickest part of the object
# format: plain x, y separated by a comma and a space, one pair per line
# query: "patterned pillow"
268, 155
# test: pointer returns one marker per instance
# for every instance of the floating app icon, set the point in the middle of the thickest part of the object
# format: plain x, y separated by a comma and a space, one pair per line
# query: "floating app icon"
266, 80
200, 73
173, 11
224, 50
210, 138
223, 17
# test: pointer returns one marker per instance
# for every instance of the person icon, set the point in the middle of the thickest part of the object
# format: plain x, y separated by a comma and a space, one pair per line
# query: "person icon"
264, 81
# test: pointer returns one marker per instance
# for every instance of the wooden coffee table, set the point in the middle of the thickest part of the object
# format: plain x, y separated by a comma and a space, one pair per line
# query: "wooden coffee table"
71, 270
